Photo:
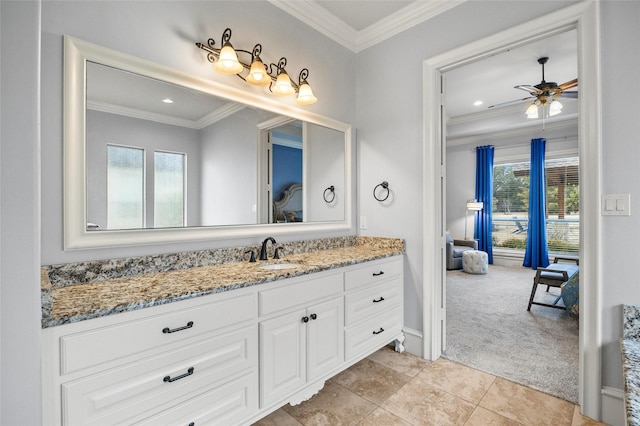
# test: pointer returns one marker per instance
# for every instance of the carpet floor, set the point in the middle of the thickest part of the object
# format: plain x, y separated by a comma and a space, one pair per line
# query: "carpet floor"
490, 329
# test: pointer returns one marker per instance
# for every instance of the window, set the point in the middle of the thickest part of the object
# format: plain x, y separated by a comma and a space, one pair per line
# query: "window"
511, 205
168, 200
125, 187
128, 194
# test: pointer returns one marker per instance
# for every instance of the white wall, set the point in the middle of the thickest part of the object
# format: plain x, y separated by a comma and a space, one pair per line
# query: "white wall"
165, 32
390, 121
20, 383
620, 60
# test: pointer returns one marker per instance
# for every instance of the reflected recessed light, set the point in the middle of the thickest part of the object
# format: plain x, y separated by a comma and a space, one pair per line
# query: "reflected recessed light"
478, 103
167, 101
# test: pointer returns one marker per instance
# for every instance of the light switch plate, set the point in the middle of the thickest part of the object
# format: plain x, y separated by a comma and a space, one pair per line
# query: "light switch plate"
616, 204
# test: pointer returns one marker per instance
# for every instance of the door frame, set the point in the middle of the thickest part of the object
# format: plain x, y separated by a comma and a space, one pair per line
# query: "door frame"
585, 18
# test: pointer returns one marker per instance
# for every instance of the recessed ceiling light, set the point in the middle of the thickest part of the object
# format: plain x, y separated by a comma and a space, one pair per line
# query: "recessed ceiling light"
478, 103
167, 100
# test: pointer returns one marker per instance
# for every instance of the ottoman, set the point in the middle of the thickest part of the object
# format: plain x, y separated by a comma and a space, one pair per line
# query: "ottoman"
475, 262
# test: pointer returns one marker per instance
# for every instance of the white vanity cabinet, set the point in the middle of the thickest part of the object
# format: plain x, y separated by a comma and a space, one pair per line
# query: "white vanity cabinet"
301, 336
228, 358
373, 306
180, 363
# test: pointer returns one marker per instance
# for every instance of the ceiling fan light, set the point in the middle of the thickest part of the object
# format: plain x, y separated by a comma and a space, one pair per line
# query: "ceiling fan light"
228, 61
555, 108
283, 85
532, 111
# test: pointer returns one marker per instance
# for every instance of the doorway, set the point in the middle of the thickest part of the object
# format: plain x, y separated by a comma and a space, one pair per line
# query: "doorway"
583, 17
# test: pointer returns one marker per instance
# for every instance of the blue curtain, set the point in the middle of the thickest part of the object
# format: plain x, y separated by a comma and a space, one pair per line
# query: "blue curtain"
484, 193
537, 253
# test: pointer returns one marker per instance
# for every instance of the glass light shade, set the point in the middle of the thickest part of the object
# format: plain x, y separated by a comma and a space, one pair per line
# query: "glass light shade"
258, 74
555, 108
228, 61
532, 111
305, 95
283, 85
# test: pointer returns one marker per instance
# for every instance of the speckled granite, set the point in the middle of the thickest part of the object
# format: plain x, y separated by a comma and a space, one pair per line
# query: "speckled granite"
630, 346
76, 292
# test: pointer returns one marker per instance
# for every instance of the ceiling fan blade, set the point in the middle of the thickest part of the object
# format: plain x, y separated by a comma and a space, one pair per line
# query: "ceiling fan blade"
569, 84
516, 101
572, 95
528, 88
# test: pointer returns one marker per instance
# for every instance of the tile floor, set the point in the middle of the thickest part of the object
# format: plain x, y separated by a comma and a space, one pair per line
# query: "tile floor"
389, 388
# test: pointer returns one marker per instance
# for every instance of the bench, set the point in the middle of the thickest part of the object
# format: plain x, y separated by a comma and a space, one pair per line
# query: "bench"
554, 275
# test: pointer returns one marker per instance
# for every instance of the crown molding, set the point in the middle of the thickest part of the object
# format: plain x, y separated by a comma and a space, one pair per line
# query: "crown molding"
328, 24
321, 20
405, 18
136, 113
568, 121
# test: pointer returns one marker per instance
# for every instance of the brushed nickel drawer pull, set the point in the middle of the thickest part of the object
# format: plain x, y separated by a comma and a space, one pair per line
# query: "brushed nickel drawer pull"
167, 330
377, 274
379, 331
378, 300
168, 379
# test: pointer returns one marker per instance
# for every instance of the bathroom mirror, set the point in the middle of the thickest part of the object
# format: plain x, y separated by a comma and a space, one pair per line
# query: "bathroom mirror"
156, 155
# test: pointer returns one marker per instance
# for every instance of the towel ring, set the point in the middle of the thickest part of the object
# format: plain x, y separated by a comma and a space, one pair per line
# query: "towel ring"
332, 193
384, 185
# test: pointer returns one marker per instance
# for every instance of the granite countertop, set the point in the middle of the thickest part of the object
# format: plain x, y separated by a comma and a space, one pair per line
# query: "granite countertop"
78, 301
630, 346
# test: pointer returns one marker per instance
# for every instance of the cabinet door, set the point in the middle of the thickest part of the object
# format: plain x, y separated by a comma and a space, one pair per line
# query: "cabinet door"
325, 345
282, 356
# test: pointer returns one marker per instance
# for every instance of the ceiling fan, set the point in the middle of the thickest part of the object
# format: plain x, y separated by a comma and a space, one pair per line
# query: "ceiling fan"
544, 95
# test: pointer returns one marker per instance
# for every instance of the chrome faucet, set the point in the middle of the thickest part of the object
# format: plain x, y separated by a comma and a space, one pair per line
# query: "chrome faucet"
263, 250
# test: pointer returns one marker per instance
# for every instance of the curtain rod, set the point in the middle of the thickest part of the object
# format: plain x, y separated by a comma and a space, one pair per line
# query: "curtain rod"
562, 138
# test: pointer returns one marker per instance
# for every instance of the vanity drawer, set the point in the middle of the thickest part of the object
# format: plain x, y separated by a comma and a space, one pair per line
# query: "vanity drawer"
226, 405
146, 387
89, 348
373, 333
372, 301
299, 293
373, 272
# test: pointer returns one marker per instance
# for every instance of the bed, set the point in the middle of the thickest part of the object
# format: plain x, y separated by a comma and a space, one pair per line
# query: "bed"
289, 207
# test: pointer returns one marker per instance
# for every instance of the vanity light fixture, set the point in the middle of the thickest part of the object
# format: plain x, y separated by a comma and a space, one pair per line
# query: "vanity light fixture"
225, 59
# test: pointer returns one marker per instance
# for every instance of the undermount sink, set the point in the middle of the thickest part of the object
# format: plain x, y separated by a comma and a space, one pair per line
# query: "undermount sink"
276, 266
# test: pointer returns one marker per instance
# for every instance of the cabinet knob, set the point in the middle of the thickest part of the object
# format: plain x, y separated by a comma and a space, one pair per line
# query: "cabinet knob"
314, 316
305, 319
379, 331
378, 300
377, 274
192, 424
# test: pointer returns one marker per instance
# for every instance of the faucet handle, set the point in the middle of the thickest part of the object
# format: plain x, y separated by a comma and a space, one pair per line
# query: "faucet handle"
252, 258
276, 253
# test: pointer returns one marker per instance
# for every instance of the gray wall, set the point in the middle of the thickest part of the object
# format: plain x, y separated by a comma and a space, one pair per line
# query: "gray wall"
620, 60
169, 39
390, 122
20, 374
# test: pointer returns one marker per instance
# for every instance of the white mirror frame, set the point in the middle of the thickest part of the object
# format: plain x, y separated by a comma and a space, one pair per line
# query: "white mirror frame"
76, 54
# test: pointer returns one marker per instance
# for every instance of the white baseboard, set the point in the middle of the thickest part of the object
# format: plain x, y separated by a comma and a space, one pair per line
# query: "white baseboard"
613, 412
413, 341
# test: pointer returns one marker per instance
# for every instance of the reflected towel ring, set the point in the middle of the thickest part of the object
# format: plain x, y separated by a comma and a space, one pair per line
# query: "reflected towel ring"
332, 191
384, 185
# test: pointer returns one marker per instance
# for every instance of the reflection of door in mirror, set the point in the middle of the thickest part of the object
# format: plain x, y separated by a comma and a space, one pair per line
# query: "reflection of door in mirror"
286, 172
